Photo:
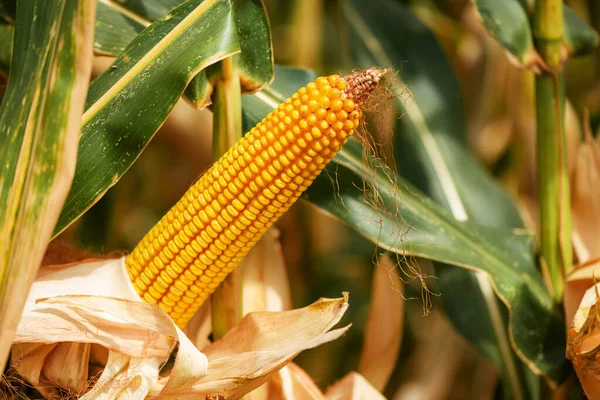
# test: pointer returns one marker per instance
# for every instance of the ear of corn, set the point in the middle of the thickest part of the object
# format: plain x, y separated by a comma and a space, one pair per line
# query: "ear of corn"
181, 261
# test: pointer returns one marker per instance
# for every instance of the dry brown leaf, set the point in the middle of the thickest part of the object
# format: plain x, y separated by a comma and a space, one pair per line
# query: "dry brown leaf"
583, 343
585, 204
76, 305
383, 334
69, 310
261, 344
353, 387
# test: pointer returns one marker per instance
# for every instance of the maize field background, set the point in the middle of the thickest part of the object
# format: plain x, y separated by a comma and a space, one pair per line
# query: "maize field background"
445, 159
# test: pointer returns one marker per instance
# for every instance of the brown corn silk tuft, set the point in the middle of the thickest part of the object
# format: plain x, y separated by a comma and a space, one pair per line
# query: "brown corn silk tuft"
182, 260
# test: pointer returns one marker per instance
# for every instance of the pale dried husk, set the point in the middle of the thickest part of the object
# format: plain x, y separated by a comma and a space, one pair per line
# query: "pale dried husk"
75, 315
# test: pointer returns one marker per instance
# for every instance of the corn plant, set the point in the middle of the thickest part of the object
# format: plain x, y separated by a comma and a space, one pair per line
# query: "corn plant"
379, 139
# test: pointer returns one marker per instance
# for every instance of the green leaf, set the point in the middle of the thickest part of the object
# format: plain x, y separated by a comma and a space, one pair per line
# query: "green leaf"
129, 102
432, 152
118, 24
116, 27
406, 221
580, 37
6, 44
509, 23
39, 130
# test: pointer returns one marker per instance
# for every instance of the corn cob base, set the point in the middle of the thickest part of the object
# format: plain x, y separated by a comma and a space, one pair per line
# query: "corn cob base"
182, 260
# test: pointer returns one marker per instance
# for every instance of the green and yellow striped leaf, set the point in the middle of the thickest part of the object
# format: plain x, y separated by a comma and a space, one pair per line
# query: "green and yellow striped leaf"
129, 102
39, 130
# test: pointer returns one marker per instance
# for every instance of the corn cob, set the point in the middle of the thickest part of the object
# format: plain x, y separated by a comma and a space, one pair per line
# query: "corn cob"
182, 260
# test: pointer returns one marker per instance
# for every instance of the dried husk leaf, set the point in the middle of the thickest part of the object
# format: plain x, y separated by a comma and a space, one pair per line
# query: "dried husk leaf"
94, 302
125, 378
67, 366
71, 309
585, 204
383, 334
260, 345
292, 382
266, 285
583, 343
353, 387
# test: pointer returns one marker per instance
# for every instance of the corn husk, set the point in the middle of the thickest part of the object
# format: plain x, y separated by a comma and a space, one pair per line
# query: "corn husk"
353, 387
583, 342
89, 314
262, 343
383, 335
293, 383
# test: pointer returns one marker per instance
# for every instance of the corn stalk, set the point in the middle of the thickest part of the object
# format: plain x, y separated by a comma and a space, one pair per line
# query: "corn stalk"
227, 130
552, 171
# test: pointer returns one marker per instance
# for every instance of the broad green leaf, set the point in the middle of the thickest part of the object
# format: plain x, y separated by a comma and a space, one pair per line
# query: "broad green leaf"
119, 22
579, 36
39, 130
404, 220
509, 22
431, 151
129, 102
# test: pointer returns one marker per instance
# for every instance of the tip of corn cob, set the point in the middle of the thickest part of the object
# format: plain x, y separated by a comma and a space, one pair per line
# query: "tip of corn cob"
361, 84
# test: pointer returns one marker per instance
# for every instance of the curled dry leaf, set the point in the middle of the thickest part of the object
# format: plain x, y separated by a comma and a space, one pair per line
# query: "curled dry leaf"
73, 310
72, 307
261, 344
353, 387
583, 342
383, 334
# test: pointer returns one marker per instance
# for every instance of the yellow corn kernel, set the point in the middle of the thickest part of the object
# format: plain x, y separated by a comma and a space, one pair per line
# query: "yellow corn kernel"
202, 238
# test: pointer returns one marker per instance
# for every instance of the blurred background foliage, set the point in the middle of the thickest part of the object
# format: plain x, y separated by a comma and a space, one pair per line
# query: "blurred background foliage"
324, 257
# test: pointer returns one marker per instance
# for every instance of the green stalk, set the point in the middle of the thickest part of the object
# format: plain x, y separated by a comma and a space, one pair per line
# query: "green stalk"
227, 130
552, 170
